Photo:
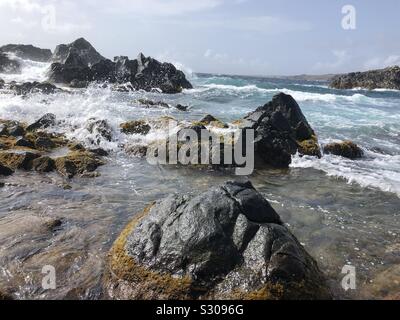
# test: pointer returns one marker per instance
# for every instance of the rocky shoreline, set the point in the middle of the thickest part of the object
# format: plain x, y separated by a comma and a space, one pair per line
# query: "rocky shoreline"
77, 64
388, 78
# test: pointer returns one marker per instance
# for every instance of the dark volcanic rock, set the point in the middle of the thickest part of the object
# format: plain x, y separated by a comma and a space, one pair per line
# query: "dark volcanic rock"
135, 127
388, 78
34, 87
8, 65
226, 243
79, 162
48, 120
125, 69
79, 61
44, 164
18, 159
84, 50
153, 74
28, 52
2, 83
99, 128
281, 130
74, 69
5, 171
346, 149
24, 143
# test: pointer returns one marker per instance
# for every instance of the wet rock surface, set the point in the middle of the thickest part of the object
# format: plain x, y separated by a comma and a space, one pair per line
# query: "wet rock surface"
281, 130
79, 63
227, 243
135, 127
345, 149
78, 163
388, 78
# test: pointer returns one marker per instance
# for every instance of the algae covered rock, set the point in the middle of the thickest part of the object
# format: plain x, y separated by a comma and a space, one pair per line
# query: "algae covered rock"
78, 162
18, 159
135, 127
226, 243
44, 164
345, 149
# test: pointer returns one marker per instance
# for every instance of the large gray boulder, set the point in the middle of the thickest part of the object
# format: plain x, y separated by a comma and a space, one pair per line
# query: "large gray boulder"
86, 52
388, 78
281, 130
28, 52
226, 243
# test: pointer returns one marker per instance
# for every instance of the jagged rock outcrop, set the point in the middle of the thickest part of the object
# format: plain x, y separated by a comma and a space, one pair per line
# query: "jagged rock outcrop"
388, 78
8, 65
81, 48
226, 243
281, 130
28, 52
79, 62
345, 149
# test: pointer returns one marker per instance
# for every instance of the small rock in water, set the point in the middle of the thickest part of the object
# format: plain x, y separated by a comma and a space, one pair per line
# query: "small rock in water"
44, 164
45, 143
182, 107
345, 149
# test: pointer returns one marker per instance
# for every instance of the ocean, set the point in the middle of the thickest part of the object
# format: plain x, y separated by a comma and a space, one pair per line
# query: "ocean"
345, 212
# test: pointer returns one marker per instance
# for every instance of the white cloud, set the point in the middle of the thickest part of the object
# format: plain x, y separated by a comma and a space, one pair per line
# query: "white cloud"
341, 59
62, 17
378, 62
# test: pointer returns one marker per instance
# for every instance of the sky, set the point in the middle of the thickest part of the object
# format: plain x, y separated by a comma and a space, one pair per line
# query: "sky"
248, 37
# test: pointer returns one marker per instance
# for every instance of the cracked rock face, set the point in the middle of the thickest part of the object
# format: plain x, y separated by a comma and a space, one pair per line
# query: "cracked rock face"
227, 243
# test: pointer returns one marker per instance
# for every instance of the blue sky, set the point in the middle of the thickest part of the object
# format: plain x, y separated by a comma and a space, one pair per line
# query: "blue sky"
254, 37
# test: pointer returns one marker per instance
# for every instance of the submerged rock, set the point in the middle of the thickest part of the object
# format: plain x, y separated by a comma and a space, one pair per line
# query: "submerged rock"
226, 243
281, 130
8, 65
388, 78
28, 52
345, 149
135, 127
